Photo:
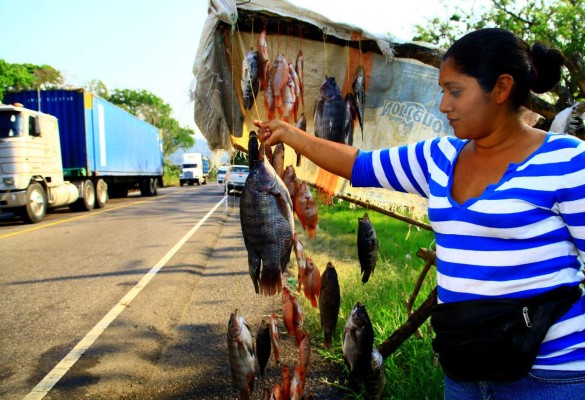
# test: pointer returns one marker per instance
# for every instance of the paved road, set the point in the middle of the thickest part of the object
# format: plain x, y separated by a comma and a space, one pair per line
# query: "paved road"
131, 302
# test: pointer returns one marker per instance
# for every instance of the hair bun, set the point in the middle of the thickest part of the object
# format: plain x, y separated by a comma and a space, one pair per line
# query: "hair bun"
547, 65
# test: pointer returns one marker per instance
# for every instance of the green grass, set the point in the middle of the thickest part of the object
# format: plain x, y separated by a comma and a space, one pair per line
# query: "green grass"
410, 373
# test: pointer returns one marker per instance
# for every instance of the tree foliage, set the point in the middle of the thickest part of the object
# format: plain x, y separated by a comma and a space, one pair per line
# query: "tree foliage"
16, 77
155, 111
555, 23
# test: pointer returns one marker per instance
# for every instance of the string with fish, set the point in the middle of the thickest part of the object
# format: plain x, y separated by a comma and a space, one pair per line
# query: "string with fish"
250, 75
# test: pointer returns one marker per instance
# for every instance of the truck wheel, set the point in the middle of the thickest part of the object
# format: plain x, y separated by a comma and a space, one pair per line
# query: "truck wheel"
204, 181
154, 186
149, 187
36, 204
101, 193
87, 200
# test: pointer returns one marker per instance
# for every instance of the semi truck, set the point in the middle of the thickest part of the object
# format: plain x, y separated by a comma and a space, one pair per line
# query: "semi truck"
194, 169
72, 148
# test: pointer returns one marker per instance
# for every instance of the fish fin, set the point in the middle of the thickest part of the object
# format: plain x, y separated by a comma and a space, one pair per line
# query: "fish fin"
270, 281
311, 232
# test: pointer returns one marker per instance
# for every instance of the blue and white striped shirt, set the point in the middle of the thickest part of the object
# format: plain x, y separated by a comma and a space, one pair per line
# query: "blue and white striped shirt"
523, 236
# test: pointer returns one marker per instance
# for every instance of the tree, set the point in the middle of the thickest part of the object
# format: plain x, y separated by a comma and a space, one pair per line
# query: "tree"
555, 23
155, 111
16, 77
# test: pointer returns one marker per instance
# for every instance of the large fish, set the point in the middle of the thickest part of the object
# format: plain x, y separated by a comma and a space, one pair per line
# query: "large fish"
250, 82
329, 303
359, 92
267, 222
375, 378
311, 281
263, 345
367, 244
330, 112
357, 343
306, 209
241, 355
274, 336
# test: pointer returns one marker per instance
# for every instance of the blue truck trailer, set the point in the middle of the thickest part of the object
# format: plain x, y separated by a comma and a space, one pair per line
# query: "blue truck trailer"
70, 147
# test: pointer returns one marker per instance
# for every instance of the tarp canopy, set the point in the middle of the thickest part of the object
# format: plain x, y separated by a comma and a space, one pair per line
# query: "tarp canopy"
402, 95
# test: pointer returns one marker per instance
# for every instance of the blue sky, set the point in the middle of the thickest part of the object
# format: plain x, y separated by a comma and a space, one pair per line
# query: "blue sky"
151, 45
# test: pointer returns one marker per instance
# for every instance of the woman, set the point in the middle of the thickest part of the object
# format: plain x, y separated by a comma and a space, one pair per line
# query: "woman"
506, 201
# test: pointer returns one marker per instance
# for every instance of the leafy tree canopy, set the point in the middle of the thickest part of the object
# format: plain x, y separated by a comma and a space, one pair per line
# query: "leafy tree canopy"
555, 23
16, 77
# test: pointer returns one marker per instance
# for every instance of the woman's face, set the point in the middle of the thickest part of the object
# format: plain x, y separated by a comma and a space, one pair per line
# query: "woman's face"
469, 109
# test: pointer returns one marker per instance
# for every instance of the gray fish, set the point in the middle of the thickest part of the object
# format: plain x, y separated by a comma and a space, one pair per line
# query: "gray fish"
278, 159
329, 303
329, 112
349, 118
263, 345
266, 218
375, 378
357, 343
367, 244
359, 91
250, 82
241, 354
302, 125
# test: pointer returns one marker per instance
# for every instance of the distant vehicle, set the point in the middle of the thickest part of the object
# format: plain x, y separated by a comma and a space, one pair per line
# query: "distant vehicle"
236, 177
194, 169
221, 171
71, 148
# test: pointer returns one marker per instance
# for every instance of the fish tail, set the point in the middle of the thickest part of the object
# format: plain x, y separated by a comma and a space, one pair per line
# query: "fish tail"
270, 281
311, 233
314, 301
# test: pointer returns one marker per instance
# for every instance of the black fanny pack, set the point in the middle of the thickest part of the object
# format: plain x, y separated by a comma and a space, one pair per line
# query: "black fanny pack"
496, 340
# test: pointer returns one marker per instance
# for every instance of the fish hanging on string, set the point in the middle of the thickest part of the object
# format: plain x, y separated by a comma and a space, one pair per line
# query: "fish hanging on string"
359, 92
250, 83
330, 112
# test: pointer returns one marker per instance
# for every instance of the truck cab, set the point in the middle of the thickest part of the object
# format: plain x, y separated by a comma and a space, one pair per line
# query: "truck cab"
31, 170
194, 169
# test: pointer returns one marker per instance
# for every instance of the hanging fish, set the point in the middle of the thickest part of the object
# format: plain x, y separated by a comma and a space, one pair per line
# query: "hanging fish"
349, 118
279, 78
306, 209
263, 346
367, 245
286, 381
302, 125
263, 60
357, 343
267, 223
329, 303
241, 354
305, 350
329, 112
296, 85
359, 91
250, 82
375, 378
297, 320
297, 385
289, 177
288, 311
300, 70
274, 336
278, 160
269, 99
311, 281
301, 260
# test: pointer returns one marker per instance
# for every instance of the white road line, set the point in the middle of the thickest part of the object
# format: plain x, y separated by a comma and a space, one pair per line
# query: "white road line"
44, 386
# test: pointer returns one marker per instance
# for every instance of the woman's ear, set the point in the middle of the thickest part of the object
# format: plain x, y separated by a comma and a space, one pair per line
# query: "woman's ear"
503, 88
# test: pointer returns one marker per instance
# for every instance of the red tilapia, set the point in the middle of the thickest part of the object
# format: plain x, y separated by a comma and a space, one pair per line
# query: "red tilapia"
301, 260
286, 378
297, 320
278, 160
305, 350
311, 282
306, 209
287, 311
273, 327
297, 386
279, 75
289, 177
263, 60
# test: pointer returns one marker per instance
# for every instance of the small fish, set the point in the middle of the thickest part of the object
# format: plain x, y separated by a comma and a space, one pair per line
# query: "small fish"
297, 385
300, 257
274, 336
263, 60
286, 380
288, 311
330, 112
263, 345
279, 75
305, 350
329, 303
241, 354
267, 223
311, 282
367, 244
297, 320
250, 82
359, 91
349, 118
289, 177
300, 70
375, 378
269, 99
306, 209
278, 160
277, 392
302, 125
357, 343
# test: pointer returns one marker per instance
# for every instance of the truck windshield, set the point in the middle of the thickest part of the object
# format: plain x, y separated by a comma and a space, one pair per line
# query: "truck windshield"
10, 124
189, 166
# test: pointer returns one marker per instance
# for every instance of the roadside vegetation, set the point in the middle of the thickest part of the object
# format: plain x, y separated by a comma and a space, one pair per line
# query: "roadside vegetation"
410, 373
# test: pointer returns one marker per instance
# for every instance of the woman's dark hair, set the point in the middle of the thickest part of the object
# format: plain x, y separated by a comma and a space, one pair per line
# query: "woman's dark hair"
487, 53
